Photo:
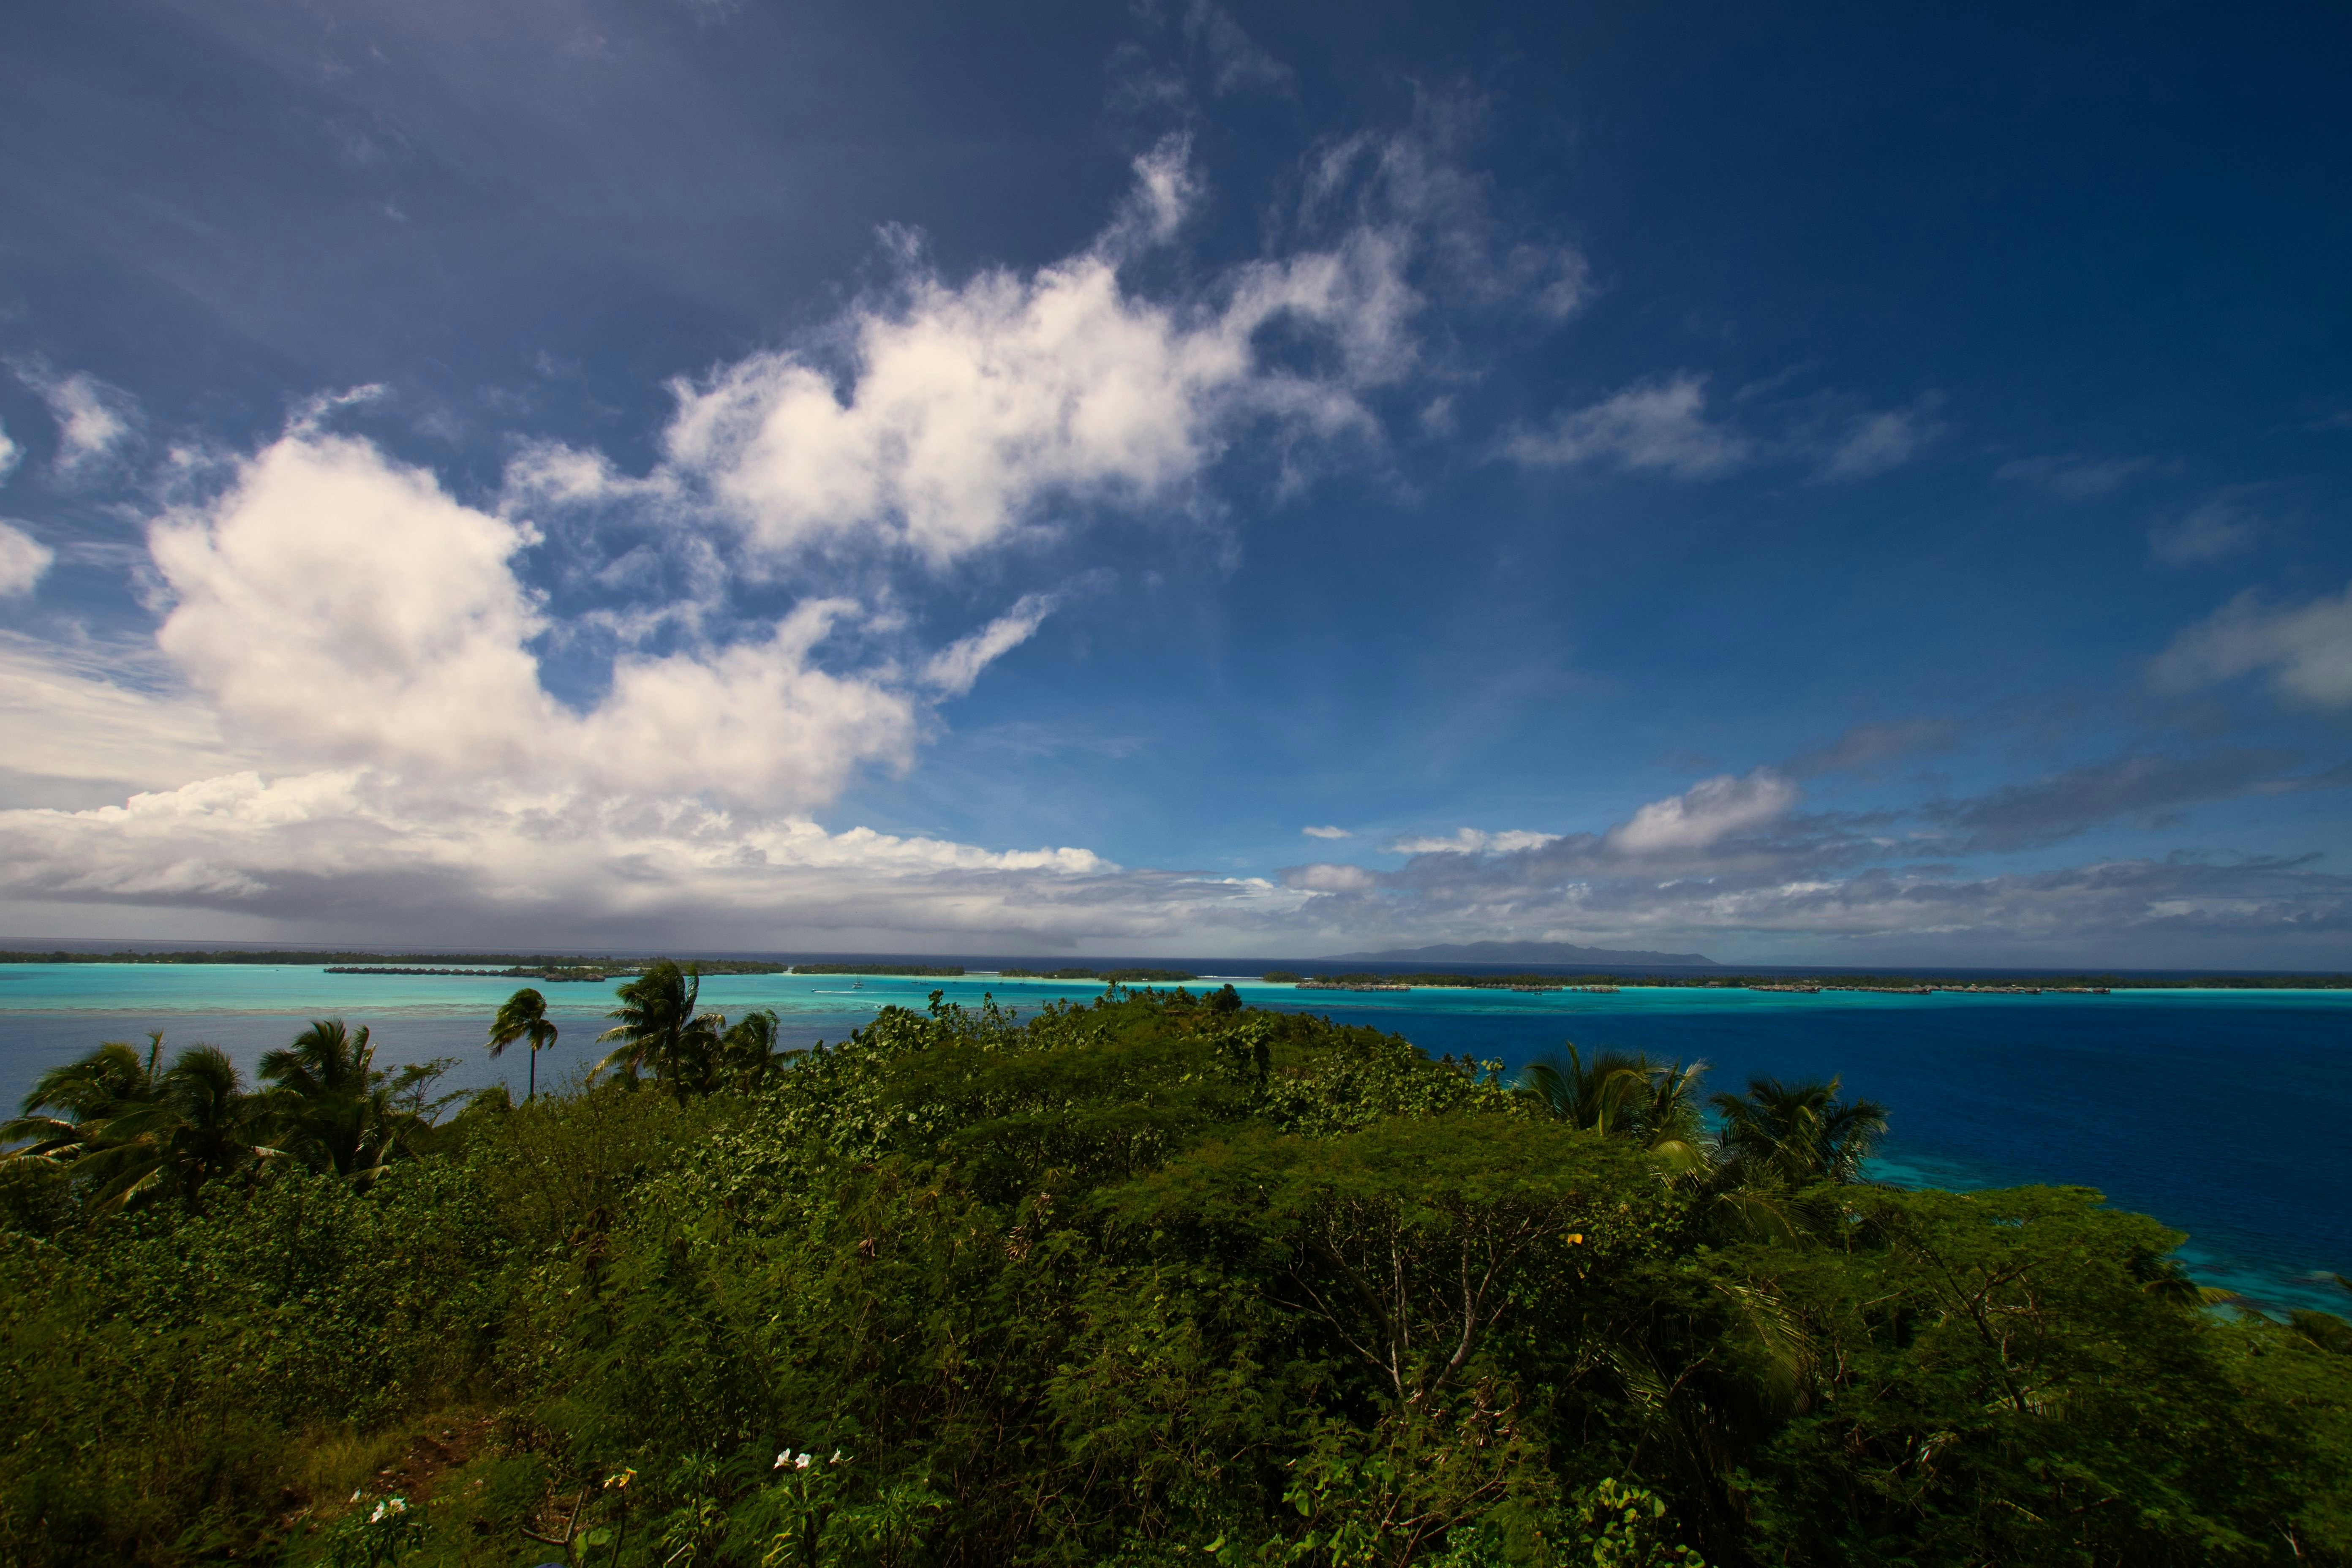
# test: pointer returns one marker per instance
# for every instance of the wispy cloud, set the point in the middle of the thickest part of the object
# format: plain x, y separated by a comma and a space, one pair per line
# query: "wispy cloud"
1666, 425
2306, 649
2223, 524
93, 417
1659, 426
1470, 841
1236, 62
1865, 747
1326, 833
2144, 786
954, 668
1876, 443
2073, 477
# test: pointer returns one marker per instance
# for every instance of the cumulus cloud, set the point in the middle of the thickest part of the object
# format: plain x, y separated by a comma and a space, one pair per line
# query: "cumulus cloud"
1710, 810
93, 417
346, 682
1659, 427
396, 635
1326, 833
22, 560
2305, 650
9, 452
962, 413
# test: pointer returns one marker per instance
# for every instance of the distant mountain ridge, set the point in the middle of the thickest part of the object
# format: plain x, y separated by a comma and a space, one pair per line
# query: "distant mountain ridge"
1524, 953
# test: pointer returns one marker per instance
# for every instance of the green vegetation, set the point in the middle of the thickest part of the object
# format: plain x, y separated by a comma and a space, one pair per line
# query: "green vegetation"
1279, 977
924, 971
1161, 1280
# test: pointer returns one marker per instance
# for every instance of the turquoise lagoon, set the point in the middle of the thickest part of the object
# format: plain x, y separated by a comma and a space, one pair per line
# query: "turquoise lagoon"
2223, 1112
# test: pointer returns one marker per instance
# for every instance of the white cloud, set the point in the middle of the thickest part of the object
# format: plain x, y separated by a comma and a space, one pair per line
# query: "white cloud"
347, 678
1878, 442
2223, 524
954, 667
1326, 833
398, 637
69, 714
92, 416
22, 560
2306, 649
1708, 811
1471, 841
346, 701
968, 412
1659, 426
9, 452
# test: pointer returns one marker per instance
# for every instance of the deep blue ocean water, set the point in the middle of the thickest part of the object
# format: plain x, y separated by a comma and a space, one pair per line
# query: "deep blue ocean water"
2222, 1112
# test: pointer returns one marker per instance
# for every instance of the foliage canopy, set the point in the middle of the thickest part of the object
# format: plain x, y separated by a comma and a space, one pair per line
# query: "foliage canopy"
1159, 1279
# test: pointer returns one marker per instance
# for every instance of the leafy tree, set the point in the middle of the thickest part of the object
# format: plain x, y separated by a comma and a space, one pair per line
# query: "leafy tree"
524, 1015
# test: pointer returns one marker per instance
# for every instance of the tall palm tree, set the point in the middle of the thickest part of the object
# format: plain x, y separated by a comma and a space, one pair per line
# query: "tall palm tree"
657, 1027
1624, 1094
1796, 1134
337, 1107
200, 1127
523, 1017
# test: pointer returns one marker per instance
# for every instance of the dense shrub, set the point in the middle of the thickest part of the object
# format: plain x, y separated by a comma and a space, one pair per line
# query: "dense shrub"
1150, 1281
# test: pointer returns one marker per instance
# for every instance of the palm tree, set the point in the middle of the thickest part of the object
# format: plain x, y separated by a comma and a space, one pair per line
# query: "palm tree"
656, 1025
747, 1050
1796, 1134
1624, 1094
88, 1091
524, 1015
201, 1126
337, 1107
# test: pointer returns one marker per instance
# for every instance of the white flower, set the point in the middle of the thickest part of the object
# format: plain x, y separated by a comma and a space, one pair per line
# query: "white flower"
782, 1460
836, 1457
802, 1463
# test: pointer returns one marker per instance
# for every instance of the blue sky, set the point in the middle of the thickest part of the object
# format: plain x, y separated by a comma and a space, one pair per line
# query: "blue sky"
1843, 484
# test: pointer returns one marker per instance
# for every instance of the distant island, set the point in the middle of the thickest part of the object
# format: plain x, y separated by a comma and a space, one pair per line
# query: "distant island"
1522, 953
